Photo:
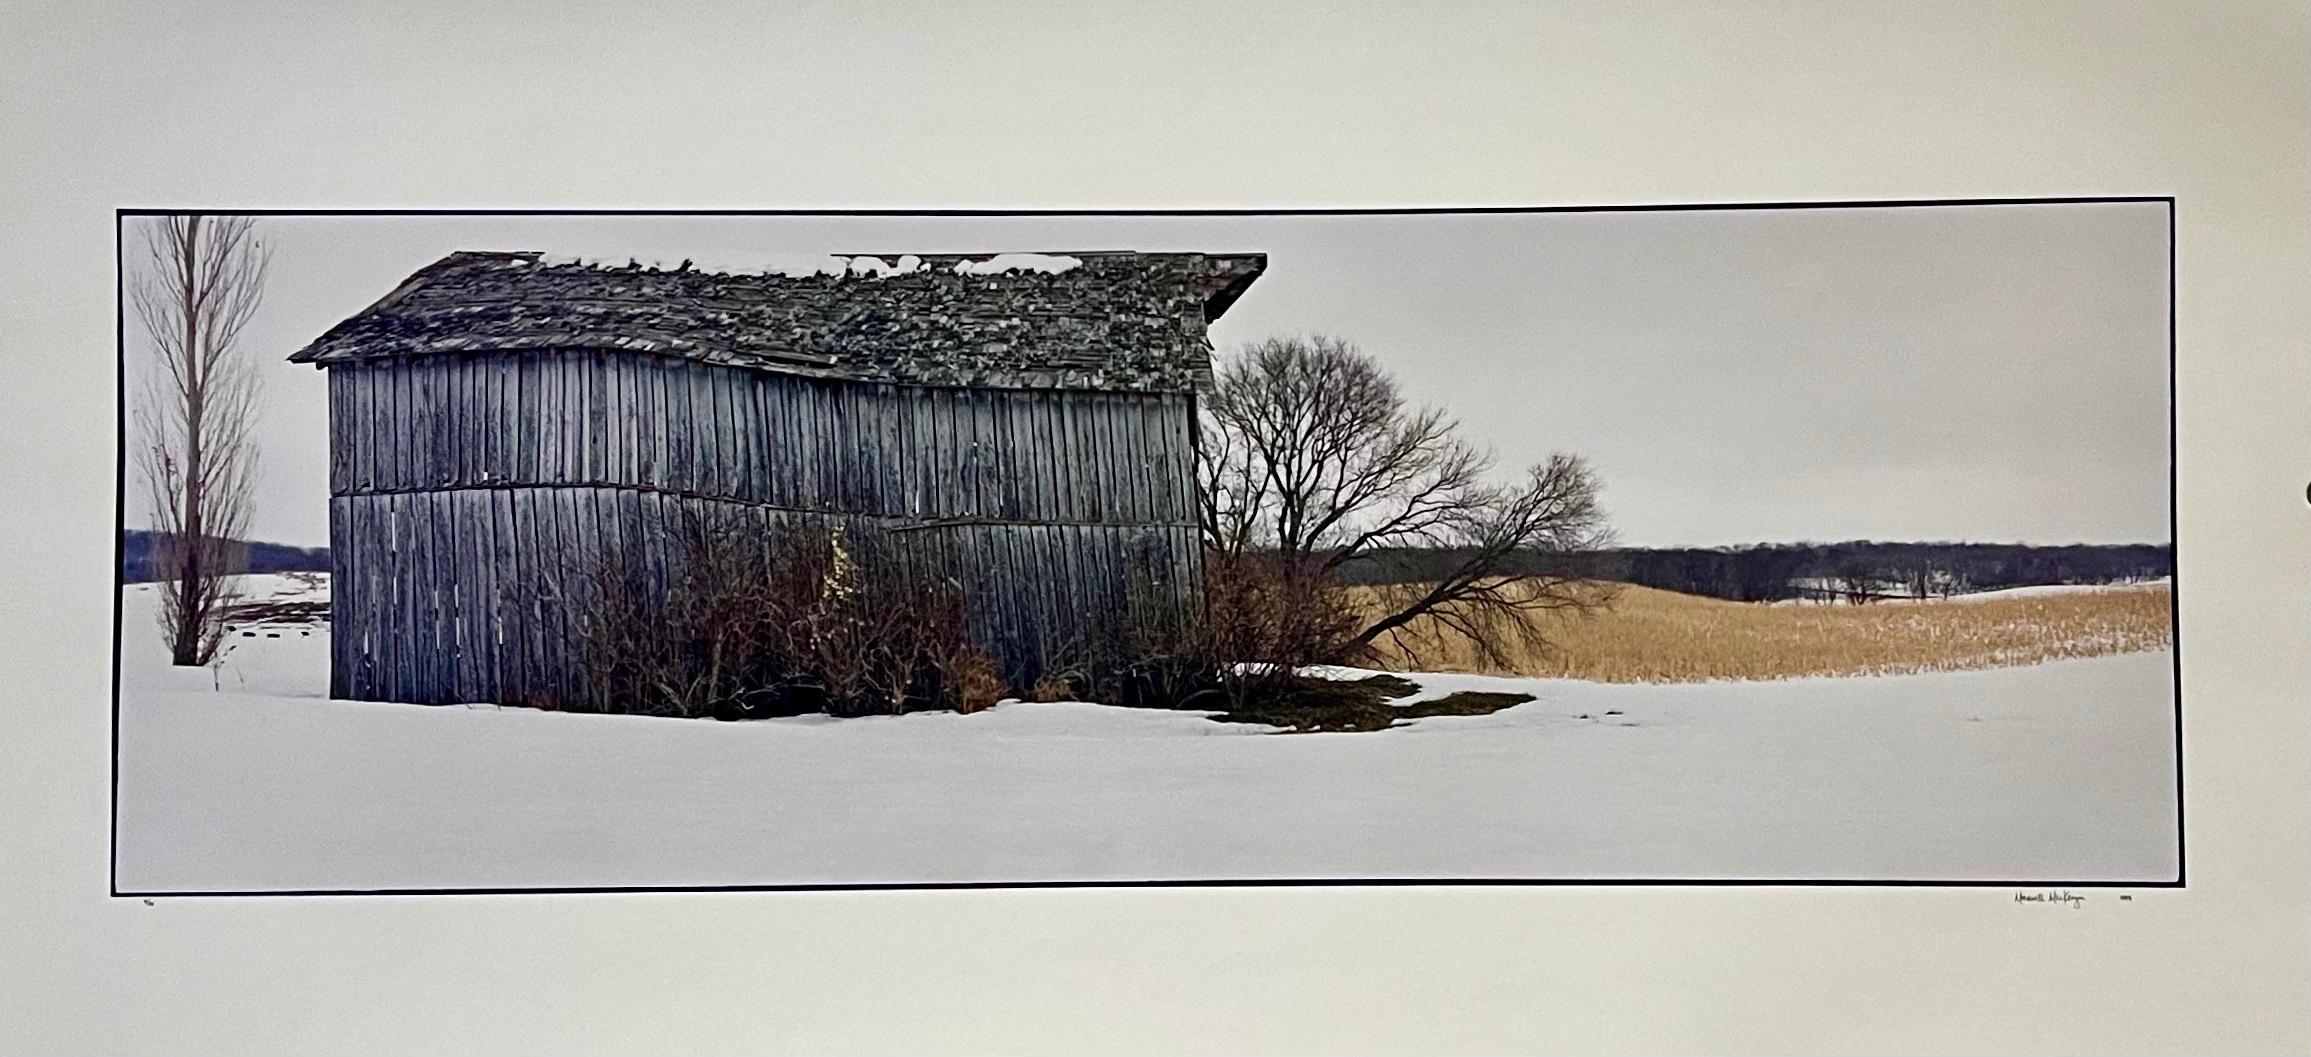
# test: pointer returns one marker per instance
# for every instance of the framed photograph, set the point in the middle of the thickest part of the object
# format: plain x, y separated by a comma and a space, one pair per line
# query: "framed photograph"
1807, 543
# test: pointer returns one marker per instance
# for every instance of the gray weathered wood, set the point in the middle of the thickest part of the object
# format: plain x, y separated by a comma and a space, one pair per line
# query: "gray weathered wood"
471, 495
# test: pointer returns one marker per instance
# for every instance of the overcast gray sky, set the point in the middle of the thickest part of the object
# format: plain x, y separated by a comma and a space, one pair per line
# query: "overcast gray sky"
1989, 373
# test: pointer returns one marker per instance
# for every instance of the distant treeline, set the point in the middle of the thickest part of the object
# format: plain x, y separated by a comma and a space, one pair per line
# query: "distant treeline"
1860, 568
1767, 572
136, 557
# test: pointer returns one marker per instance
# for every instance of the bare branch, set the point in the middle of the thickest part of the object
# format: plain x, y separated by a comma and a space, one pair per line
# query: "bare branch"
1511, 556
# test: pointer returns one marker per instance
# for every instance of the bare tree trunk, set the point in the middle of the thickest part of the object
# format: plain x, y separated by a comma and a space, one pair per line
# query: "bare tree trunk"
203, 279
185, 639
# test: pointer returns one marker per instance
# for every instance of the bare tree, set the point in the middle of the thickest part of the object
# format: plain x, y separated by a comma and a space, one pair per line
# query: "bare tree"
1310, 454
201, 282
1857, 580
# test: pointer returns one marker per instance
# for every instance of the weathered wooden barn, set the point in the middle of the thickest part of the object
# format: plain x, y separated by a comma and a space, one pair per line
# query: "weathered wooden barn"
1025, 423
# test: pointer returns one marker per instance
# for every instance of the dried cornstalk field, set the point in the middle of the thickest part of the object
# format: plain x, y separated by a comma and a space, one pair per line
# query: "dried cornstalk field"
1648, 635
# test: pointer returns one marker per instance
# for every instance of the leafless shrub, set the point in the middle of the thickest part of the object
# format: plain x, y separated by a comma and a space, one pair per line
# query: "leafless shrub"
1266, 616
764, 621
1259, 622
675, 639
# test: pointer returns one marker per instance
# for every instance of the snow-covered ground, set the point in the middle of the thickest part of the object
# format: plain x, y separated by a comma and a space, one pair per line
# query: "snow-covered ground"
2045, 590
2057, 772
2038, 591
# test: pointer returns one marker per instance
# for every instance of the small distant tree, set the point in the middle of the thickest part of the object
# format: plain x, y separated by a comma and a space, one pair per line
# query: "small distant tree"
1858, 581
201, 281
1311, 458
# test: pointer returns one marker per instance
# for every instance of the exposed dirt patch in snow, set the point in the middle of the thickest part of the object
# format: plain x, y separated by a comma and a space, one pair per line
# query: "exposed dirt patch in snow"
1348, 700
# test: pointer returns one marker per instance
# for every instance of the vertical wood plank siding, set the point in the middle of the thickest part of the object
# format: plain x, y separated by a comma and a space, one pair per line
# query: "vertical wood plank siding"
470, 493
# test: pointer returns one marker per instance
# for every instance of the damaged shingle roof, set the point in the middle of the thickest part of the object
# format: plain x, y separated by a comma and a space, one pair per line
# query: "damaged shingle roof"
1118, 321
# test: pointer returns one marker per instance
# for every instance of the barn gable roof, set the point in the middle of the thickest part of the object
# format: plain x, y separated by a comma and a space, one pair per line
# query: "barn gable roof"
1107, 320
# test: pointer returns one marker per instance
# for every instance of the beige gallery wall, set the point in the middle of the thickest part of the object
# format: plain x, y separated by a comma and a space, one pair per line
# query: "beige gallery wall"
995, 105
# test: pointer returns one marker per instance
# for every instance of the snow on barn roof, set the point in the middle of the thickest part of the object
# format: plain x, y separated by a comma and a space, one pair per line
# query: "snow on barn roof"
1095, 320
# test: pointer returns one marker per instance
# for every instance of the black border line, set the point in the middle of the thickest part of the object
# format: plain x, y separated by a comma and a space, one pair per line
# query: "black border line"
120, 512
1643, 207
1286, 882
119, 520
2174, 545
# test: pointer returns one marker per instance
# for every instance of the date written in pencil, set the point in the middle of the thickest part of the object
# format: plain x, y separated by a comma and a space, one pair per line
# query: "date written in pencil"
2052, 897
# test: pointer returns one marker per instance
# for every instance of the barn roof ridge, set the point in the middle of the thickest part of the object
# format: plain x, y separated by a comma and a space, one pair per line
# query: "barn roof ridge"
1100, 319
640, 263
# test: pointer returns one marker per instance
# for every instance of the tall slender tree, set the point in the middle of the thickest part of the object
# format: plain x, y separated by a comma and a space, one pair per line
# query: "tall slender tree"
202, 279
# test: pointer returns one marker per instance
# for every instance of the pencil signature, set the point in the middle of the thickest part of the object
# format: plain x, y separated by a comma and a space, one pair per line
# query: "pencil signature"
2057, 896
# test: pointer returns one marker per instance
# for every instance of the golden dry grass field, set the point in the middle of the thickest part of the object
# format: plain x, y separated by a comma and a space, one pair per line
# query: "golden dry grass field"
1648, 635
